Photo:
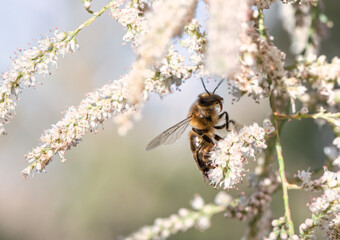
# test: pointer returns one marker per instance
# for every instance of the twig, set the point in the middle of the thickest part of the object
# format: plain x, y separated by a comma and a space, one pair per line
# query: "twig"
284, 182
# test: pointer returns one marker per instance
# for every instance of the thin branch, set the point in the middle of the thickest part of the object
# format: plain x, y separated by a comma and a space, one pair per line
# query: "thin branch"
300, 116
94, 17
284, 182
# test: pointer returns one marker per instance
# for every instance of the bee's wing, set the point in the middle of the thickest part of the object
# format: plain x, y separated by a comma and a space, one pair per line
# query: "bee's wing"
170, 135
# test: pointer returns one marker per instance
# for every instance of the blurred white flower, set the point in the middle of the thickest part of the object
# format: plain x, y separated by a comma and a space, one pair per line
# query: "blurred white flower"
185, 219
203, 223
197, 203
223, 199
225, 26
167, 18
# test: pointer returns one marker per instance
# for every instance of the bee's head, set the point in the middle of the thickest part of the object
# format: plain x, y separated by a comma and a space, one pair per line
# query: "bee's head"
208, 99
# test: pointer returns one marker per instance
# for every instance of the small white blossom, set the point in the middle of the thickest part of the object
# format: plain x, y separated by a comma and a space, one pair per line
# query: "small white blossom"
333, 152
203, 223
197, 203
223, 199
87, 5
304, 110
268, 126
279, 230
306, 178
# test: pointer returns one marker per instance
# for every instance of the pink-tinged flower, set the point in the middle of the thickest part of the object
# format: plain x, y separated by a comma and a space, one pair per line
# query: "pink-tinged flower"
166, 20
99, 106
259, 61
27, 65
230, 155
321, 76
306, 178
325, 208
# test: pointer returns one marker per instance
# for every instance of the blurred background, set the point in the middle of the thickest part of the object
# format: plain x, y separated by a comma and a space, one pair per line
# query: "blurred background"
110, 186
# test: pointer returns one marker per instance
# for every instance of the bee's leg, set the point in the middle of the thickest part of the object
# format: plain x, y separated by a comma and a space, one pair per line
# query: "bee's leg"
200, 132
200, 147
220, 127
202, 156
204, 149
217, 137
207, 139
227, 121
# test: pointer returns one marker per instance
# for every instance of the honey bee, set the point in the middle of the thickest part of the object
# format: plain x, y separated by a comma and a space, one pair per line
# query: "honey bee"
204, 116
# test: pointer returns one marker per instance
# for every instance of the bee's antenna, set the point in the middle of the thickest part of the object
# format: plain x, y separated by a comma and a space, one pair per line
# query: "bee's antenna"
218, 85
204, 86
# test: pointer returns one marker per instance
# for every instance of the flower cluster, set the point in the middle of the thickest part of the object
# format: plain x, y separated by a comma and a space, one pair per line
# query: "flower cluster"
97, 107
112, 101
174, 67
131, 17
195, 41
248, 207
152, 46
27, 65
237, 48
321, 76
185, 219
315, 74
231, 153
260, 61
325, 208
280, 231
255, 206
172, 70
